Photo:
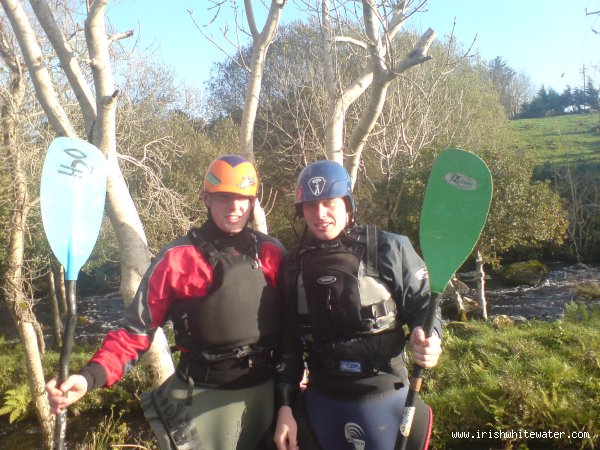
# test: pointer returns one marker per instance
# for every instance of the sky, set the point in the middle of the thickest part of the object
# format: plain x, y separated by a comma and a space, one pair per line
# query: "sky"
551, 41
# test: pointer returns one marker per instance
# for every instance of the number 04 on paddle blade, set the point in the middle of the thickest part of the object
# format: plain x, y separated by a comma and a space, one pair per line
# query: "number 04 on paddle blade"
72, 195
455, 208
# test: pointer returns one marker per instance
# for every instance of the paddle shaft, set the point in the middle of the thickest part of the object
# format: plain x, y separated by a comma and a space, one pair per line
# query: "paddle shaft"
65, 358
417, 375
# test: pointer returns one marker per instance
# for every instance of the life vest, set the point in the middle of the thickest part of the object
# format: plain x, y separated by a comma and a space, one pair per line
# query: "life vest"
236, 325
338, 288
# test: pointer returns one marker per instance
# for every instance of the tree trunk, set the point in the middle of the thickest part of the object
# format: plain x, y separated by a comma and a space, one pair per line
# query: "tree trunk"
340, 97
481, 285
35, 377
462, 313
19, 305
21, 312
260, 46
123, 215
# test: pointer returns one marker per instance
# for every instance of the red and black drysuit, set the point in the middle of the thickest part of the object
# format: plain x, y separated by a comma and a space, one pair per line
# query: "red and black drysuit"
214, 312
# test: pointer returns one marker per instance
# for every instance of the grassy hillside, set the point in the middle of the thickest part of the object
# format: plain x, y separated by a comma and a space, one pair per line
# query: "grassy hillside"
562, 140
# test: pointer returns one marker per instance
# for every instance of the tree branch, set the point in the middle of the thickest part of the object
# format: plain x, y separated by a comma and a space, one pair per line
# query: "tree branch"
418, 55
250, 19
67, 59
119, 36
34, 60
350, 40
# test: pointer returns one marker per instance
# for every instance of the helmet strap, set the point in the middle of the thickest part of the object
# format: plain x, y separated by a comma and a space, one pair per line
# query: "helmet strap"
302, 235
251, 216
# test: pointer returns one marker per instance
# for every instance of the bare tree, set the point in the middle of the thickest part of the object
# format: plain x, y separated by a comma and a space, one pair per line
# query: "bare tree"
381, 22
260, 45
261, 40
97, 107
581, 187
19, 301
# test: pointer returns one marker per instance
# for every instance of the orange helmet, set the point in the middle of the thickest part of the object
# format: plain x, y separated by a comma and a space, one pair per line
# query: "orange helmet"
231, 173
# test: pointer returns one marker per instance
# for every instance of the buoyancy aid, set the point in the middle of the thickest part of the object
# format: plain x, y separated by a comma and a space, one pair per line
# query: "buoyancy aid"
346, 314
232, 331
339, 290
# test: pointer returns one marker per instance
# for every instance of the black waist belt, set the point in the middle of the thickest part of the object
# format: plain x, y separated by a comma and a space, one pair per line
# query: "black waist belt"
236, 368
252, 355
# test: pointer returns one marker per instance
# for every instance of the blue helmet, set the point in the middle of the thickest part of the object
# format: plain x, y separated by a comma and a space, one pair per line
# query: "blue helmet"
323, 180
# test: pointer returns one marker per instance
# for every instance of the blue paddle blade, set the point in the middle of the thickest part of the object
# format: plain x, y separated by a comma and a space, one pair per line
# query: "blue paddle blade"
72, 195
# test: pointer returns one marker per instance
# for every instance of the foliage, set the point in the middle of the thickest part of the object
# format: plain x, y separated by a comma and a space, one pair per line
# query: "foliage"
113, 432
16, 403
536, 376
125, 394
159, 135
523, 213
513, 89
450, 101
110, 431
588, 291
13, 372
548, 102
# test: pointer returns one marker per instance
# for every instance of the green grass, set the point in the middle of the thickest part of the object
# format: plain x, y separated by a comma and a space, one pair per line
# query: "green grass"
560, 140
535, 377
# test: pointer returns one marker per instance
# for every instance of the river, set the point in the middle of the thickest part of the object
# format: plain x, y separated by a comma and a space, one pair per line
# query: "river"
547, 300
98, 314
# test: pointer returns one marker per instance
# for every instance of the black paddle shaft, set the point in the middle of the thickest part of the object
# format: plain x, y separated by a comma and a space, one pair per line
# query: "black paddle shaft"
417, 376
65, 358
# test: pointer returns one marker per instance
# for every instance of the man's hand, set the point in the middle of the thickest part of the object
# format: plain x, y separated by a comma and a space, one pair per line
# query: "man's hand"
70, 391
426, 351
286, 431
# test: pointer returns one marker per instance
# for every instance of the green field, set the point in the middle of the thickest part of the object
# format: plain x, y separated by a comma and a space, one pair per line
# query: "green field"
561, 140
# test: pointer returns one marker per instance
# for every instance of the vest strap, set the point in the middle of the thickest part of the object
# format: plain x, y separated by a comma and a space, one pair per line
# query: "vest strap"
372, 270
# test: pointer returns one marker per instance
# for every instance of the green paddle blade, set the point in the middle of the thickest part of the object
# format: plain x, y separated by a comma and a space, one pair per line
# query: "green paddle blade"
456, 204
